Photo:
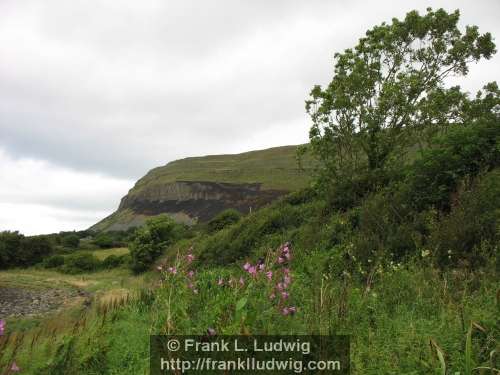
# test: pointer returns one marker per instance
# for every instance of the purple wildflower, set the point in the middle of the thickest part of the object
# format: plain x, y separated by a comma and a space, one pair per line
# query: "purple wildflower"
269, 275
252, 271
211, 332
2, 327
247, 266
14, 367
221, 281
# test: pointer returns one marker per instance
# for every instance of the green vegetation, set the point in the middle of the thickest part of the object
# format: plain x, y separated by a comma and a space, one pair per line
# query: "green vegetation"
398, 251
17, 250
152, 239
273, 167
223, 220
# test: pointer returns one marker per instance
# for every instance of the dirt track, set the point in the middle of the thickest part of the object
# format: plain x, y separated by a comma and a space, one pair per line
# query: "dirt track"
26, 302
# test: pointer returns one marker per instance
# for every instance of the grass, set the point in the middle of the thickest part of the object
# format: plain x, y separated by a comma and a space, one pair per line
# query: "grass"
275, 168
391, 324
104, 253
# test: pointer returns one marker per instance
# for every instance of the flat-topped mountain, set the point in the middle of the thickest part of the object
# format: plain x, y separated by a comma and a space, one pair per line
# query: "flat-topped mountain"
197, 188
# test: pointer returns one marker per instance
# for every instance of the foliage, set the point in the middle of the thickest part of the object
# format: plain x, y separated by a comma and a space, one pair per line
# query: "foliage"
17, 250
463, 152
114, 261
223, 219
104, 241
151, 240
80, 262
70, 240
53, 261
389, 91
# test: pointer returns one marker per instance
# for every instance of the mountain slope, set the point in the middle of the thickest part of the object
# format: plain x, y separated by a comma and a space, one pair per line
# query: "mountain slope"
197, 188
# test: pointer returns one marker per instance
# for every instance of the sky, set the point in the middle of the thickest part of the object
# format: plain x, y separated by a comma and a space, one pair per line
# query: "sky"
93, 94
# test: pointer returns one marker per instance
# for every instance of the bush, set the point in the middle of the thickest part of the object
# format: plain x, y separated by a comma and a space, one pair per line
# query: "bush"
468, 234
104, 241
465, 151
113, 261
152, 239
223, 220
17, 250
82, 262
53, 261
71, 240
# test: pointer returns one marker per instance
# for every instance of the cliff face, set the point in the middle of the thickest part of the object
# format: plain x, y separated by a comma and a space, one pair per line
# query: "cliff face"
198, 199
196, 189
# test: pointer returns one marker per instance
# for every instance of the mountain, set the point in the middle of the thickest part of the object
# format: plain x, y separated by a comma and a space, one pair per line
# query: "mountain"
197, 188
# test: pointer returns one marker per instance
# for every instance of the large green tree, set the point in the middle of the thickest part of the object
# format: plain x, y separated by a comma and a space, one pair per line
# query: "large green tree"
389, 90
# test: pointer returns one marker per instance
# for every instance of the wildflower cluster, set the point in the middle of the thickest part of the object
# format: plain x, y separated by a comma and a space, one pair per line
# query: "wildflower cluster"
278, 275
182, 267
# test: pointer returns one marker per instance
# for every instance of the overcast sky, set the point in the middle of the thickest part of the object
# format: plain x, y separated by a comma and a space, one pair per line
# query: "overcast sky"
93, 94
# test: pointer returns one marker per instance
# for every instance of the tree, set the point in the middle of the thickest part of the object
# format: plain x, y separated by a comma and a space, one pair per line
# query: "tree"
389, 90
71, 240
152, 239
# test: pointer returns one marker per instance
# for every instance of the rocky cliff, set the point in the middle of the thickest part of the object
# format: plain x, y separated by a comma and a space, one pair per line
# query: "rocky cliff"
196, 189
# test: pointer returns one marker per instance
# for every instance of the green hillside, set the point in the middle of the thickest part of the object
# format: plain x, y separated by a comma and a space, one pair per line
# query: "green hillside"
275, 168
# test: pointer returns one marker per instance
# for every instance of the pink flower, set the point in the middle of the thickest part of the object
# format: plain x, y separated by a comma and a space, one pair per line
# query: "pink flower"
285, 311
272, 296
287, 256
247, 266
284, 295
221, 281
292, 310
281, 287
286, 249
286, 271
269, 275
211, 332
190, 274
281, 260
242, 281
262, 267
190, 257
172, 270
287, 280
252, 271
2, 327
14, 367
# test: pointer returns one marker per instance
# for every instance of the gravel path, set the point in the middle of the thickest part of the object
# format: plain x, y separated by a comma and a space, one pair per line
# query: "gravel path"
26, 302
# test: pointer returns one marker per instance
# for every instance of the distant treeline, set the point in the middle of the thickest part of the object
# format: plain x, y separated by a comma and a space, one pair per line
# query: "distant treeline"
18, 250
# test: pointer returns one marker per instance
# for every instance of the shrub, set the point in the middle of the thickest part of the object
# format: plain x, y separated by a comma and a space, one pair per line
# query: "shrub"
223, 220
463, 151
113, 261
82, 262
70, 240
53, 261
17, 250
104, 241
471, 227
151, 239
